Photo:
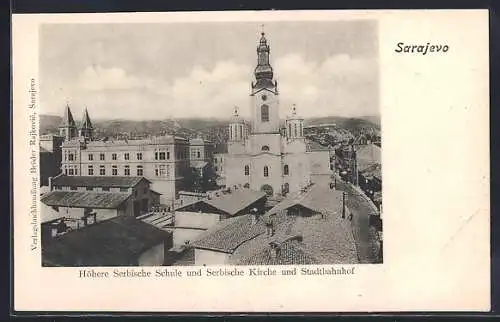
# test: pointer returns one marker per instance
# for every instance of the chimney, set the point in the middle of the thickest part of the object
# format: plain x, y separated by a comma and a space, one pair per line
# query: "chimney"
274, 250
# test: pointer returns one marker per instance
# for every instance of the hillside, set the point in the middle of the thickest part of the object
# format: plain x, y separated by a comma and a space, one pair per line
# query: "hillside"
213, 129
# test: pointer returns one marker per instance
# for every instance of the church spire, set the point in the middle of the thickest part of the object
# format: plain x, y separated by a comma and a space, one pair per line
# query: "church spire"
86, 127
263, 72
67, 128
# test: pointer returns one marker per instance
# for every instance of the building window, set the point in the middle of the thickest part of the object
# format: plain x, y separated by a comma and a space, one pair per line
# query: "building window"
66, 171
114, 170
71, 172
76, 172
71, 157
162, 155
216, 169
90, 189
265, 148
91, 170
140, 171
156, 155
127, 156
266, 171
127, 170
247, 170
289, 129
123, 189
295, 127
102, 170
168, 155
91, 157
198, 154
101, 157
160, 170
286, 170
113, 156
215, 160
105, 188
301, 130
264, 113
139, 156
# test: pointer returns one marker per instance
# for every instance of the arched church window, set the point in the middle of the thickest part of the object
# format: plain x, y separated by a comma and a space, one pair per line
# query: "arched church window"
265, 148
266, 171
286, 171
264, 113
241, 131
290, 129
247, 170
295, 127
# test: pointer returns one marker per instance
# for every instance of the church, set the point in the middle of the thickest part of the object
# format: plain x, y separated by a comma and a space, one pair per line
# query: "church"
266, 156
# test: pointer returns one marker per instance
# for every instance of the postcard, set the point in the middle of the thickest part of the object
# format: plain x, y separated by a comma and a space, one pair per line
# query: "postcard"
233, 161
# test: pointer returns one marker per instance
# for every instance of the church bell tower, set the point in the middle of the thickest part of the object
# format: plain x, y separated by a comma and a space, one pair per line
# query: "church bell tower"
264, 93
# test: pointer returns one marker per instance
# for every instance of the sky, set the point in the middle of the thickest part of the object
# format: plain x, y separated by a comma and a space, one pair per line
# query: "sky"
177, 70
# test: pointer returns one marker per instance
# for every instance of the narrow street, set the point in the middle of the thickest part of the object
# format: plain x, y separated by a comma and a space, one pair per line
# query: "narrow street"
363, 235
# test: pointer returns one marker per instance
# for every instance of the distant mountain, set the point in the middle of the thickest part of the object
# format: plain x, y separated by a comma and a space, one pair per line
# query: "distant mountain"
213, 129
350, 123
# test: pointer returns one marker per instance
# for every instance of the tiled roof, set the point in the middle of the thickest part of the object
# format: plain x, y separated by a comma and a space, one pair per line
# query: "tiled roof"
84, 199
327, 240
112, 242
230, 203
290, 252
230, 234
319, 199
97, 181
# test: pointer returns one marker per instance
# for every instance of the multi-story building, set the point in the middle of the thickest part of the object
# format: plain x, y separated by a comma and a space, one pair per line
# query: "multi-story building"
266, 156
162, 160
200, 154
50, 157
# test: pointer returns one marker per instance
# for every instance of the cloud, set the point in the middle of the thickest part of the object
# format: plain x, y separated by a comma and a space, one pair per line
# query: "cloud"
339, 85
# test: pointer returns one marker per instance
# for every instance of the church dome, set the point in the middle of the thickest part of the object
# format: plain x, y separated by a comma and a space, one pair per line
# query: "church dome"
235, 118
293, 115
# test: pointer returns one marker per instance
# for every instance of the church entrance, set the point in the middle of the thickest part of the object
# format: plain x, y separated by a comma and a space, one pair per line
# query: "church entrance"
267, 189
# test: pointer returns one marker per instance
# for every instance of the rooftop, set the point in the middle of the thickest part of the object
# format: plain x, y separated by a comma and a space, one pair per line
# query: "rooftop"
318, 199
230, 234
229, 203
84, 199
156, 140
325, 239
97, 181
112, 242
289, 252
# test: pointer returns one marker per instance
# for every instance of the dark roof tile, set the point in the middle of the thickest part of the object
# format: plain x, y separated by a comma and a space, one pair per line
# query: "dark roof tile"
85, 199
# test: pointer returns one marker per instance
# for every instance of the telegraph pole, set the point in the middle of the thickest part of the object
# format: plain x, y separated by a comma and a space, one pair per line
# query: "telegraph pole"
343, 204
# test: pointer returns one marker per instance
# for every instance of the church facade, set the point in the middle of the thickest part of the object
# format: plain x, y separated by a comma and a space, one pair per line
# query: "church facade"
266, 156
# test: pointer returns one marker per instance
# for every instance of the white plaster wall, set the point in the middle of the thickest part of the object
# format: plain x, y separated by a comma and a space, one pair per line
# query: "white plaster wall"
208, 257
181, 235
196, 219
